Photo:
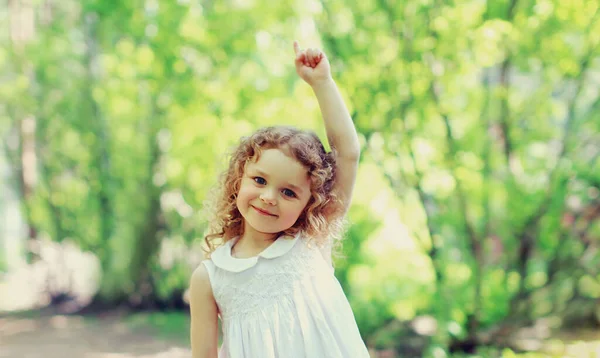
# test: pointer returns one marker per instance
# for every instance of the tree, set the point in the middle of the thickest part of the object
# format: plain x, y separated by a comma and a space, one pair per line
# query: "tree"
478, 106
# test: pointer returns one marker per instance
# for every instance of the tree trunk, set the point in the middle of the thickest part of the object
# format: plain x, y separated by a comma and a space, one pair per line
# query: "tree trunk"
23, 156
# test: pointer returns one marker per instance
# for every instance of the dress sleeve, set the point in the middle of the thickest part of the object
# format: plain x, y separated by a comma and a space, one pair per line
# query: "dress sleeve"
210, 267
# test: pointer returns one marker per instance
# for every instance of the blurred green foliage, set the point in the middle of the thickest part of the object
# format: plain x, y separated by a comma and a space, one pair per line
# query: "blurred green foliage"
477, 203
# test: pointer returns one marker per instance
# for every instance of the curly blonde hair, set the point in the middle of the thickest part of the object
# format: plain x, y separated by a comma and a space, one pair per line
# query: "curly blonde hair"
320, 220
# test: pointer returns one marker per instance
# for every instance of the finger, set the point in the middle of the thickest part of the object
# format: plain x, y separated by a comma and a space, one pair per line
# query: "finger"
306, 60
311, 57
318, 56
297, 47
301, 57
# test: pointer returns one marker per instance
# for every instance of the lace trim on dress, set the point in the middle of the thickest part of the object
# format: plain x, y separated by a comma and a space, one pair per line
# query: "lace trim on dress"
265, 289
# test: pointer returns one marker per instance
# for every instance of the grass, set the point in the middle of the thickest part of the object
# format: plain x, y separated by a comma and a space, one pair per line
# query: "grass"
173, 326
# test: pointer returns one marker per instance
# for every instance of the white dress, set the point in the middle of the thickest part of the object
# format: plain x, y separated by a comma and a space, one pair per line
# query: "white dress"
283, 303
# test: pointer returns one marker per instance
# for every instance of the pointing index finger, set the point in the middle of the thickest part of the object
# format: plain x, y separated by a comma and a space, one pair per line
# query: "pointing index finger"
296, 47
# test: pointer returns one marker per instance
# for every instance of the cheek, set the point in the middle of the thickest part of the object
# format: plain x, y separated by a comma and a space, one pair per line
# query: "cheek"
244, 194
293, 212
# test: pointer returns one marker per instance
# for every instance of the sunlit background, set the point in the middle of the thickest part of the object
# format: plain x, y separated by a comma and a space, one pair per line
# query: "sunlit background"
475, 227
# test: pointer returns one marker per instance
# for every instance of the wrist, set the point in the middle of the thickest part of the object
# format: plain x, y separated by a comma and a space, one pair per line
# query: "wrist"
323, 84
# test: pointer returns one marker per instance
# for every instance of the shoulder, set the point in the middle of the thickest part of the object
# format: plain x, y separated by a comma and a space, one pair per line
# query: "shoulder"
200, 281
322, 248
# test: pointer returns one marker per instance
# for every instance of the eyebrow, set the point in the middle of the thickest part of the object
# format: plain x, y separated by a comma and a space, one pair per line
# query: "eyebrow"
290, 185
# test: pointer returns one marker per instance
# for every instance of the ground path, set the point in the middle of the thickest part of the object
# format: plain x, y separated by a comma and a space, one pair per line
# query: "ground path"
107, 336
57, 336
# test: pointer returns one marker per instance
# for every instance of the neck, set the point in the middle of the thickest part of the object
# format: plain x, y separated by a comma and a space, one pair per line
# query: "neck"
254, 241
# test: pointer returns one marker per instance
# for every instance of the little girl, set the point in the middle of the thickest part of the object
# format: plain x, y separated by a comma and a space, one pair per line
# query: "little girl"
271, 280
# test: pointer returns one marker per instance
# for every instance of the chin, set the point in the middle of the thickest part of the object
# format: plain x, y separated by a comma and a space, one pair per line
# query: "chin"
264, 229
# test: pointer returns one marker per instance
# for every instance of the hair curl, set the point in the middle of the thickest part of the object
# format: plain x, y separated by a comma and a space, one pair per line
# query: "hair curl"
320, 220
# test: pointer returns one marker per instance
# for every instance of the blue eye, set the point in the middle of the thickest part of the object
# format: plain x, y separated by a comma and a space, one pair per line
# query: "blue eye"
288, 192
260, 180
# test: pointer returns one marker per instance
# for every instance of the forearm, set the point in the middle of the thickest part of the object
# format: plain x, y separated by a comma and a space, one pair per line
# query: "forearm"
338, 123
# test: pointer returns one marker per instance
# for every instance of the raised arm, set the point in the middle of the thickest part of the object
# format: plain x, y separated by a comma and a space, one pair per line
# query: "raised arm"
342, 137
313, 67
203, 314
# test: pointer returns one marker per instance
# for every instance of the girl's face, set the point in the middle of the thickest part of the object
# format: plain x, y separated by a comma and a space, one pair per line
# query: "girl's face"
273, 192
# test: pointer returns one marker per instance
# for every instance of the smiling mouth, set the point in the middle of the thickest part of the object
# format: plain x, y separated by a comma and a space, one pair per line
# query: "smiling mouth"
263, 212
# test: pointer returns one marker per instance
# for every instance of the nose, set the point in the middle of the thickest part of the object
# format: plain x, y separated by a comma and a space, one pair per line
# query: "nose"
267, 197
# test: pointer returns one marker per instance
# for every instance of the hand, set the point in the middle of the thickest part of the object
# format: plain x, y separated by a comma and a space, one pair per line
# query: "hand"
312, 65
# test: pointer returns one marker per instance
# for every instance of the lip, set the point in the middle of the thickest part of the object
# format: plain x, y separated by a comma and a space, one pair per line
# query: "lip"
263, 212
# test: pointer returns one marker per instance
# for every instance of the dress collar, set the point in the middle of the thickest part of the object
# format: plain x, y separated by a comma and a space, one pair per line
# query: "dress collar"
222, 258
